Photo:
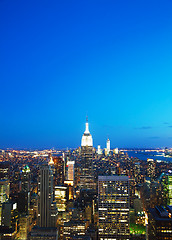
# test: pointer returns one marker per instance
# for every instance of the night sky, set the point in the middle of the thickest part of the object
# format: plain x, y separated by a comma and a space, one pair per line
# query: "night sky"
63, 60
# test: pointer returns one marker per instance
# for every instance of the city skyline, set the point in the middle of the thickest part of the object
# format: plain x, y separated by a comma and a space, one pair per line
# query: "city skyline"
65, 60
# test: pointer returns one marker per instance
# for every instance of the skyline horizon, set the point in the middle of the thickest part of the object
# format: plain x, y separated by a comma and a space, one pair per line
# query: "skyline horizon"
68, 147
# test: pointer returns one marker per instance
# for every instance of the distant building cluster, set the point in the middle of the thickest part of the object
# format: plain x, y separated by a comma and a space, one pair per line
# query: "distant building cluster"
85, 193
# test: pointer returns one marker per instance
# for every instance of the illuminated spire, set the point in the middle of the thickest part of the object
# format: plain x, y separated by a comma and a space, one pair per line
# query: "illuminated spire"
86, 126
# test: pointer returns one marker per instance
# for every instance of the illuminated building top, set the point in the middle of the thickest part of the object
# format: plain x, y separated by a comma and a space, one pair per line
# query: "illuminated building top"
87, 139
51, 162
26, 169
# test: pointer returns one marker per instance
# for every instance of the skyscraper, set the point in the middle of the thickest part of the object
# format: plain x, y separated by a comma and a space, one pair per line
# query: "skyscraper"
113, 207
70, 170
4, 194
59, 169
160, 223
166, 181
151, 168
108, 146
86, 177
45, 197
99, 151
24, 195
4, 169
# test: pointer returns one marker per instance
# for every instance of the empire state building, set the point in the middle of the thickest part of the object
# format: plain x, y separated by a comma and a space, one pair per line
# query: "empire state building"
87, 140
86, 177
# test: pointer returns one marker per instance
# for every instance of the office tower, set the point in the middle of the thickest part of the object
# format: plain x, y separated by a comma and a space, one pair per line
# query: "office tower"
160, 223
116, 151
151, 168
60, 198
6, 214
99, 151
45, 196
70, 170
70, 179
86, 177
24, 226
88, 197
4, 194
23, 202
155, 191
24, 195
26, 178
47, 209
51, 164
132, 192
169, 190
113, 207
166, 181
4, 170
108, 146
59, 170
9, 219
74, 229
137, 173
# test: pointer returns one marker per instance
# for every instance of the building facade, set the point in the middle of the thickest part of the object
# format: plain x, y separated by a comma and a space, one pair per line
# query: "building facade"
45, 197
113, 207
160, 223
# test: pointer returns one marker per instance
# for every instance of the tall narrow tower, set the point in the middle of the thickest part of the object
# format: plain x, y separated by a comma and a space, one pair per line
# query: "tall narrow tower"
45, 196
87, 152
86, 178
108, 146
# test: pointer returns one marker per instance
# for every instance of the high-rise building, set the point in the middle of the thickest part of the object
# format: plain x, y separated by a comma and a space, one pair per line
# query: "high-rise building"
116, 151
137, 173
86, 177
160, 223
60, 198
70, 170
99, 151
87, 152
26, 178
70, 179
24, 226
6, 214
108, 146
113, 207
74, 229
4, 194
24, 195
151, 168
166, 181
45, 197
59, 166
47, 209
4, 170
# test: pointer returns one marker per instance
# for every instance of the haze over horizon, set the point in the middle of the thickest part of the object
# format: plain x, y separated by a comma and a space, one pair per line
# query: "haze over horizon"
63, 60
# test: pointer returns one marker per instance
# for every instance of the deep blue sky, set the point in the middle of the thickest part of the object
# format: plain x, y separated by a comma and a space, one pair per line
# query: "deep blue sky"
62, 60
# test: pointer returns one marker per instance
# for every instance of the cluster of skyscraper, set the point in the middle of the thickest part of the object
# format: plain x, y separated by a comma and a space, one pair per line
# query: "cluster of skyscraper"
84, 194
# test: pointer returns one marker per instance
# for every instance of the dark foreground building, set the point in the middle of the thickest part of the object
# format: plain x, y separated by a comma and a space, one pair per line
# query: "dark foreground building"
160, 223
